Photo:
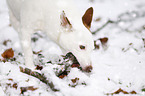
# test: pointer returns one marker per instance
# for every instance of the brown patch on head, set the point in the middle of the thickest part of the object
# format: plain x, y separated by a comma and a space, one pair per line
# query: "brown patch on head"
87, 17
64, 21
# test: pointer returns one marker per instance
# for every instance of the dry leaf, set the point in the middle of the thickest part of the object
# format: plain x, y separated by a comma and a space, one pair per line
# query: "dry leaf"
104, 40
15, 85
75, 65
75, 80
9, 53
133, 92
37, 52
62, 76
29, 88
10, 79
120, 90
5, 42
38, 67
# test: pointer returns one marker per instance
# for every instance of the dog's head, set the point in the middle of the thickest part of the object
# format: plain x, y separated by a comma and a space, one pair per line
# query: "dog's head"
78, 38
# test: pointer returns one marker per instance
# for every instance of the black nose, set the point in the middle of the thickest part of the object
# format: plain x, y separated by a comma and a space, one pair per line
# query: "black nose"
88, 68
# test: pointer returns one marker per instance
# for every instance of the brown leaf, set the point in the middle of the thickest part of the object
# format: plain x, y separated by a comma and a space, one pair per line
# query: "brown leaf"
133, 92
5, 42
120, 90
29, 88
62, 76
37, 52
9, 53
15, 85
125, 92
104, 40
88, 69
75, 65
75, 80
38, 67
10, 79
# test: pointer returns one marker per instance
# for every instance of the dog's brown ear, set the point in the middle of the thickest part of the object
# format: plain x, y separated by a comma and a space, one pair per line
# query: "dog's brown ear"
64, 21
87, 17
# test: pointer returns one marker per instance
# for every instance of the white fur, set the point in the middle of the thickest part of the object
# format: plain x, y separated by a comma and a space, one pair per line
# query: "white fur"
28, 16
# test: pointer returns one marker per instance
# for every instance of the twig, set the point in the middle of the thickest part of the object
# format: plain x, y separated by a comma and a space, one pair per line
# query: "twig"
109, 21
38, 76
63, 72
124, 17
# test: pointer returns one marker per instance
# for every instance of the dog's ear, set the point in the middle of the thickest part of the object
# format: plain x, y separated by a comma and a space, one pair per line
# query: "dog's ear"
64, 21
87, 18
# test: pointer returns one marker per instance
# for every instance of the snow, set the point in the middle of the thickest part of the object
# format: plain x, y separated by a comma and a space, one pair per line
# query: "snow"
119, 65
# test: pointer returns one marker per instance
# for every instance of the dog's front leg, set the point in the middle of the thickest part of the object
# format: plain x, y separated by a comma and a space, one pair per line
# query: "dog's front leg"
25, 36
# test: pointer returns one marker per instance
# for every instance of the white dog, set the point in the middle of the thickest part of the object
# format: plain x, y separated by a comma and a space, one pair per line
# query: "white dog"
60, 20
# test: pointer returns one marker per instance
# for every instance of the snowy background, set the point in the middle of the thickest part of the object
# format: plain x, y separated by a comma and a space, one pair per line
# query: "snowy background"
117, 64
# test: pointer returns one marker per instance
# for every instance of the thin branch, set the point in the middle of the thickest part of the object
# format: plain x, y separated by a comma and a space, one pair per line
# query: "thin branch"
38, 76
124, 17
99, 29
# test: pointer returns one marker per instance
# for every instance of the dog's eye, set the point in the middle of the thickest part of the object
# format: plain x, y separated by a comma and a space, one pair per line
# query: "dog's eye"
82, 47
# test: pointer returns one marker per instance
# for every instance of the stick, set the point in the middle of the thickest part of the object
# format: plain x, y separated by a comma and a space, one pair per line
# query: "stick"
38, 76
131, 16
108, 22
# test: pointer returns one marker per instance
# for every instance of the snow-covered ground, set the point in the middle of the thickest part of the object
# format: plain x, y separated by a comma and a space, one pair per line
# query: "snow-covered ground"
118, 64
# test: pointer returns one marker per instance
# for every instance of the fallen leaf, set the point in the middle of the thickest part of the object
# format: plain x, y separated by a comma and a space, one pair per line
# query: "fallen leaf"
121, 91
29, 88
75, 65
15, 85
6, 42
38, 67
104, 40
75, 80
37, 52
9, 53
10, 79
133, 92
63, 74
